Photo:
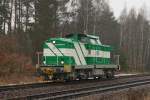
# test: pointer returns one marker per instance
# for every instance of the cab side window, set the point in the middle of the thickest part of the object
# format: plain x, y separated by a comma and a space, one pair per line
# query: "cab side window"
88, 40
84, 40
93, 41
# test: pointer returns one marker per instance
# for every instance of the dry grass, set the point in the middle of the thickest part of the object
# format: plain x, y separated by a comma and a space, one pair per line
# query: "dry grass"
17, 79
15, 65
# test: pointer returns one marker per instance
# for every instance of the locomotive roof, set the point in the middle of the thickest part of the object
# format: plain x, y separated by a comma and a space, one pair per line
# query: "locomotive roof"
75, 37
81, 35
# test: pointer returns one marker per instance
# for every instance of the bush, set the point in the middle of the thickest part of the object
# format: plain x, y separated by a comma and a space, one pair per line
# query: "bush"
15, 63
123, 61
11, 60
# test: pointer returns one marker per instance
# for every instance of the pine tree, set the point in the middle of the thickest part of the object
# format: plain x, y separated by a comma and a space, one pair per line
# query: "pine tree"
108, 27
3, 15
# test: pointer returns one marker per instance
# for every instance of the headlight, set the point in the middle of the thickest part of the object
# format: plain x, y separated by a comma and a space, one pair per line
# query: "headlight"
62, 62
44, 62
54, 42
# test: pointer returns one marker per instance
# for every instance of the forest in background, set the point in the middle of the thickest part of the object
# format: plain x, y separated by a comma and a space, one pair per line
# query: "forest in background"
25, 24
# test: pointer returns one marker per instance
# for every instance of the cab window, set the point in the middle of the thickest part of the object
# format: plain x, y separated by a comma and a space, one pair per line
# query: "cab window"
93, 41
84, 40
88, 40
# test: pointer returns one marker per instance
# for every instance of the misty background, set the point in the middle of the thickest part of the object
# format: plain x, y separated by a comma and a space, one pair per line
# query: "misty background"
26, 24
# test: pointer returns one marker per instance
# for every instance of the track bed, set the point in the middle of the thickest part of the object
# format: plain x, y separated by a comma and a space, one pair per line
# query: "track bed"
45, 90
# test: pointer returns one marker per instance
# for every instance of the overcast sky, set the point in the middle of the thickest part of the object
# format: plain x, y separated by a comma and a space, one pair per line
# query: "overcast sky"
118, 5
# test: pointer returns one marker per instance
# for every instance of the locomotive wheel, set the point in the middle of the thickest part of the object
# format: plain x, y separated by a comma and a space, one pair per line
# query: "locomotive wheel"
109, 74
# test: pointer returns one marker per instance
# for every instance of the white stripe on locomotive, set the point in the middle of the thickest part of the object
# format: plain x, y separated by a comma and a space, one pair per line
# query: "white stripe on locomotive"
80, 54
54, 49
102, 54
72, 53
84, 49
47, 52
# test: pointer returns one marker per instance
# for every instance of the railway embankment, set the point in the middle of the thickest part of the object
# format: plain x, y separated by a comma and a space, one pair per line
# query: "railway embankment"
134, 93
122, 88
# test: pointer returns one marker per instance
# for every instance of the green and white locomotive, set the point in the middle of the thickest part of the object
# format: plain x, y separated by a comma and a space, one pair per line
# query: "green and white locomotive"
77, 56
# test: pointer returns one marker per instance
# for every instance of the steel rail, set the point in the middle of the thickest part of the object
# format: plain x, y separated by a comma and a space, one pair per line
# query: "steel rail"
6, 90
76, 94
23, 86
45, 84
67, 94
93, 90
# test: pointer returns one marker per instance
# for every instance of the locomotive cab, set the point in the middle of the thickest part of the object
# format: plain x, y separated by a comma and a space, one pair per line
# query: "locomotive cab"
84, 38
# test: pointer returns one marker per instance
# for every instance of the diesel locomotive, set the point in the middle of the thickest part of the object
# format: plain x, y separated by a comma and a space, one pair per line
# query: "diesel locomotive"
77, 56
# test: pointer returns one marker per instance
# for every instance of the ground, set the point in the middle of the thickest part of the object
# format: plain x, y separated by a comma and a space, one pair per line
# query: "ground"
136, 93
18, 79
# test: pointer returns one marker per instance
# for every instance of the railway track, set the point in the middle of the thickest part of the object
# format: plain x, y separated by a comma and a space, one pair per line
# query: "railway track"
74, 92
45, 84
